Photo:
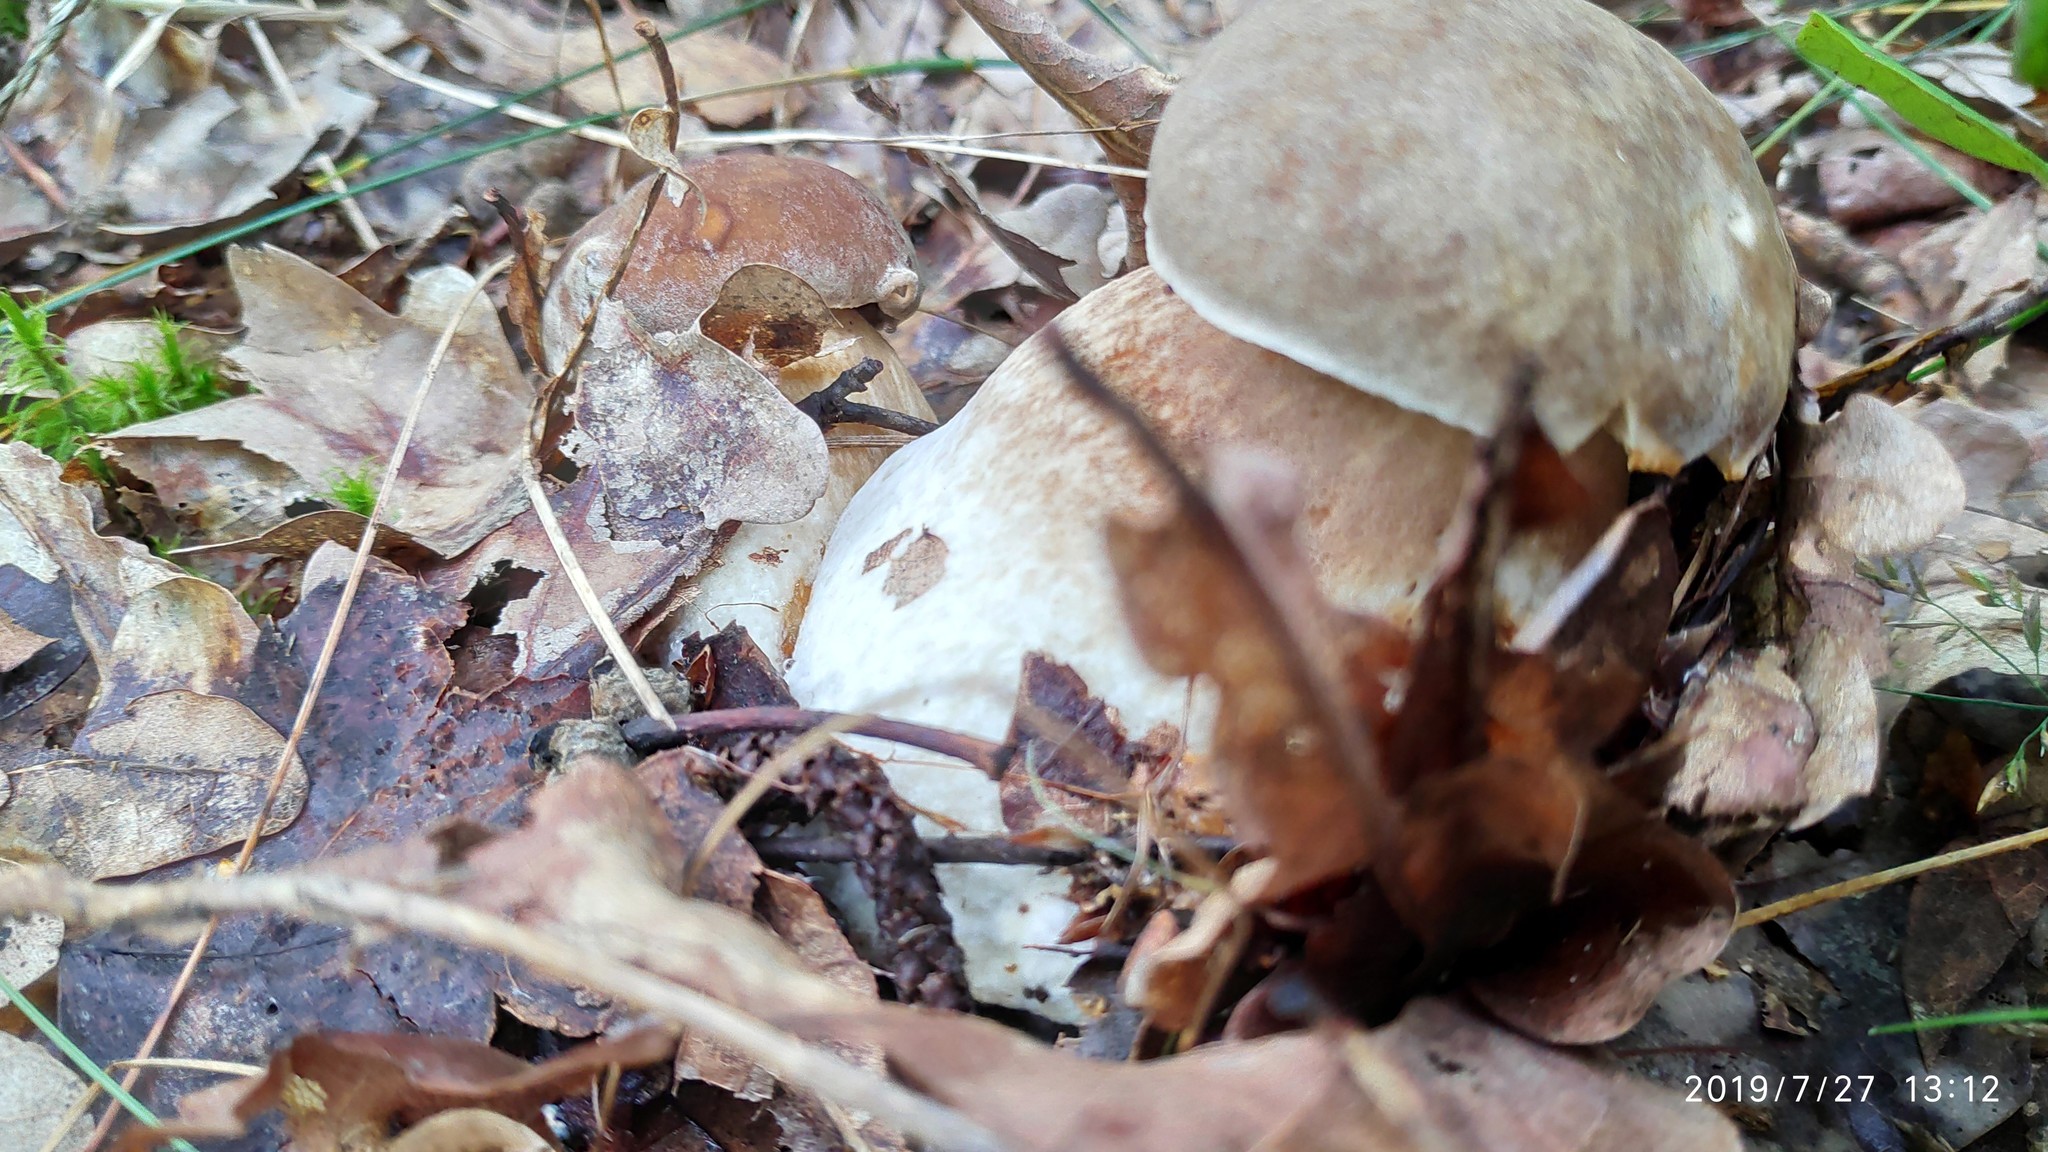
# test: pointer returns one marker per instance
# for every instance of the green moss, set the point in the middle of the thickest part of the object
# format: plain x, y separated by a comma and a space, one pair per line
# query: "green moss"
44, 404
355, 491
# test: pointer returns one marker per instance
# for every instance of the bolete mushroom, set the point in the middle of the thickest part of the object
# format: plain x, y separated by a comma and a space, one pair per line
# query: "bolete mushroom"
1368, 217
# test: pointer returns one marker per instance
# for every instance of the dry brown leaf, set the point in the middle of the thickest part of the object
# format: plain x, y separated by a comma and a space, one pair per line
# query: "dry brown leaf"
682, 433
333, 376
36, 1091
46, 530
517, 52
1125, 98
1869, 482
175, 774
28, 948
548, 622
211, 151
1836, 654
1228, 595
301, 536
1747, 734
1437, 1078
335, 1088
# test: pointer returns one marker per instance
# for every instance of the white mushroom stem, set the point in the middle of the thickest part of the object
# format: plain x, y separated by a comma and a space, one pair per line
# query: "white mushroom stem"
985, 541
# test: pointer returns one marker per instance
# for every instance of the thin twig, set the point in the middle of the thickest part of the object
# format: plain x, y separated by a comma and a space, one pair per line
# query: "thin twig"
830, 407
645, 738
1863, 885
621, 652
1895, 366
611, 138
350, 901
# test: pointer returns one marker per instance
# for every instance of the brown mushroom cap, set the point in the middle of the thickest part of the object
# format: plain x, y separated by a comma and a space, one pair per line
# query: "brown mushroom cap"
1420, 196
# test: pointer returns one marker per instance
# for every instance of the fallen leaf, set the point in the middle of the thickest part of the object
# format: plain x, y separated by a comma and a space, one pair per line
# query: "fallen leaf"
1747, 734
36, 1091
517, 52
1869, 482
652, 379
334, 1087
17, 643
333, 377
209, 153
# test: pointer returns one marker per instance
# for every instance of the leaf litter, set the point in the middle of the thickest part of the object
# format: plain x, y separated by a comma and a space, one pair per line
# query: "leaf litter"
1364, 864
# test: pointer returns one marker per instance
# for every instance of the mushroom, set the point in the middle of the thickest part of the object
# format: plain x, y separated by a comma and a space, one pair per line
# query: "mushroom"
1420, 198
1366, 218
749, 286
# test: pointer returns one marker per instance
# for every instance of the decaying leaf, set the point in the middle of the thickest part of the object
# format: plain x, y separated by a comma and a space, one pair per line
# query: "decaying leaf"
47, 531
28, 948
36, 1091
176, 774
1747, 733
517, 52
213, 150
683, 433
333, 376
336, 1089
1870, 482
1586, 904
1230, 597
545, 618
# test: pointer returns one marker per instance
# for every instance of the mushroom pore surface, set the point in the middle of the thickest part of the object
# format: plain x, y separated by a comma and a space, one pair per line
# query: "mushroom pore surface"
1422, 198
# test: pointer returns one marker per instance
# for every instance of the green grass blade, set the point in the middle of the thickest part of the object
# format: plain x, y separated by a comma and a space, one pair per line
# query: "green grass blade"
2030, 44
1967, 1020
1826, 44
98, 1075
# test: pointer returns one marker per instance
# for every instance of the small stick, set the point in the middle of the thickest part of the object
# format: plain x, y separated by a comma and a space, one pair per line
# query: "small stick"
671, 88
829, 405
645, 736
348, 902
813, 849
1862, 885
1894, 367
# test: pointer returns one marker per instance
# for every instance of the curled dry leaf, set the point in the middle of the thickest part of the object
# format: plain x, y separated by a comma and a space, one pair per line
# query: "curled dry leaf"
333, 376
683, 433
333, 1087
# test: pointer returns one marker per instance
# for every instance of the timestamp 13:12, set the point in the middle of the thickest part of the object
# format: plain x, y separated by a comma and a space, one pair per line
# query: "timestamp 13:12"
1931, 1089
